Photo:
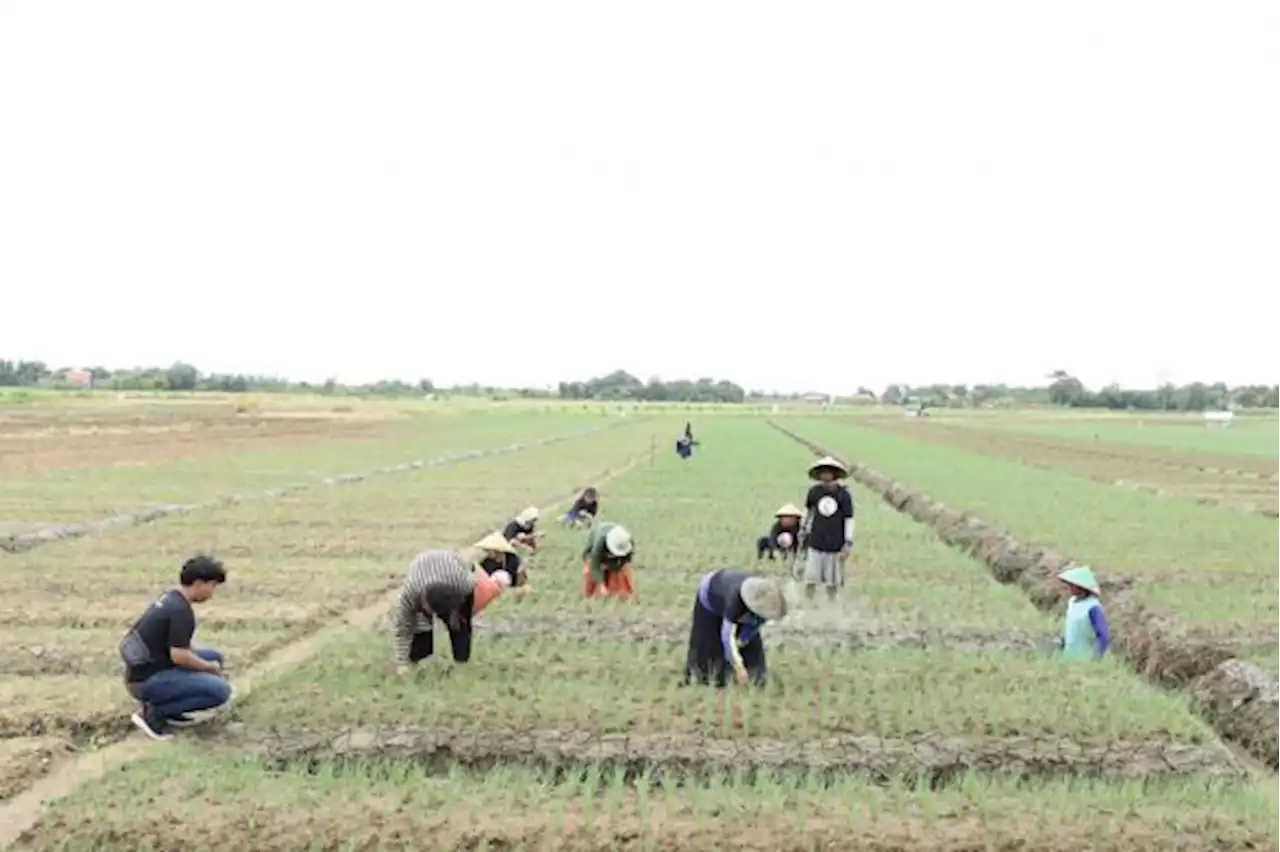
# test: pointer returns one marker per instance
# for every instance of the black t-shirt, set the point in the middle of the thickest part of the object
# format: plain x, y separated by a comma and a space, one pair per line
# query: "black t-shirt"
508, 562
589, 506
514, 528
169, 622
830, 508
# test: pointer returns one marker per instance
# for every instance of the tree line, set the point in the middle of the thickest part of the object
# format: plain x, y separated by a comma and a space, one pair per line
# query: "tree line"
1061, 389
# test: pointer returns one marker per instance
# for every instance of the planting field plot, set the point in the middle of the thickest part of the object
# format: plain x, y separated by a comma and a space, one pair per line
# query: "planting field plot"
1248, 483
294, 565
1213, 568
88, 479
1250, 434
924, 710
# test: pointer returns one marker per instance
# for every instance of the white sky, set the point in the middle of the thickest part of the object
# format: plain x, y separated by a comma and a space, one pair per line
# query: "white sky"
524, 192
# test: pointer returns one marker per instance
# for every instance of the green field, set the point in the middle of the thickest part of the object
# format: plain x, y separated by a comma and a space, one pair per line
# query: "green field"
924, 710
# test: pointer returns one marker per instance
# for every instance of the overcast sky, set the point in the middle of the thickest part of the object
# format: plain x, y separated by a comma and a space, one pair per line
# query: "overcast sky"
790, 195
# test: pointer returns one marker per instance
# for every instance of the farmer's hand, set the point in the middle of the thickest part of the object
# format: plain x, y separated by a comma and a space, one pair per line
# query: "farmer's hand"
742, 677
215, 667
402, 670
844, 551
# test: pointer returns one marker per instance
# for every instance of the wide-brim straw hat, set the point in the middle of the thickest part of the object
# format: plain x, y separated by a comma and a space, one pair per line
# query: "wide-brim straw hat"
528, 516
1082, 577
495, 541
618, 542
828, 463
764, 598
790, 510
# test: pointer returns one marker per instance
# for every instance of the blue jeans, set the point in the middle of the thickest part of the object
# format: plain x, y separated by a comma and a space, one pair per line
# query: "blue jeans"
175, 692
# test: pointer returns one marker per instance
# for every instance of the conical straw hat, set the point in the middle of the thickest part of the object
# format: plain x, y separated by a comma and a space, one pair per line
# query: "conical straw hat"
1081, 576
828, 462
789, 510
764, 598
495, 541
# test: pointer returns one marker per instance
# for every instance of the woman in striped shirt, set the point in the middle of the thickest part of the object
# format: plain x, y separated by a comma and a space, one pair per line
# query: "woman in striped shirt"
440, 584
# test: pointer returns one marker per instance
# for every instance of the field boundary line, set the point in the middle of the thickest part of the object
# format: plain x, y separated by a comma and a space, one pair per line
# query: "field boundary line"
644, 757
1238, 699
21, 812
24, 542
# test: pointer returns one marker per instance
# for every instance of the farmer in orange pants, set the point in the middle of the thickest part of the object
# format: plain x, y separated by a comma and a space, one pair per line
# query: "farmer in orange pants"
606, 563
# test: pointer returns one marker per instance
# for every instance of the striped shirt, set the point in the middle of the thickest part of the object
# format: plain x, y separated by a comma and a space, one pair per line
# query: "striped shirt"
432, 570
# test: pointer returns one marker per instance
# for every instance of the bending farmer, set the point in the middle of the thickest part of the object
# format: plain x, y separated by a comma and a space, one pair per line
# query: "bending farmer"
606, 563
728, 612
168, 677
439, 584
520, 529
1085, 634
784, 536
584, 508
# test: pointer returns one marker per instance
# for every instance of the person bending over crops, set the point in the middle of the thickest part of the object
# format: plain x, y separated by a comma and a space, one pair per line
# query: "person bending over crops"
684, 446
728, 611
828, 527
584, 508
784, 537
497, 554
1085, 633
520, 529
439, 585
170, 679
606, 563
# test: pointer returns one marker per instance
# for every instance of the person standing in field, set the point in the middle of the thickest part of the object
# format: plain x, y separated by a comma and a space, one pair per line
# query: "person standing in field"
728, 611
584, 508
784, 536
606, 563
828, 527
170, 679
1085, 633
520, 529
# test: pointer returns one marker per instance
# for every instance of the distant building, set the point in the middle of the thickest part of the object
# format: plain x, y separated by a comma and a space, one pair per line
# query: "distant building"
80, 378
816, 399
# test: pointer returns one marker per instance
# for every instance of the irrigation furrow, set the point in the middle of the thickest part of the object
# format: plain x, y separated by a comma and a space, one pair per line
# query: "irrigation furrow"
1240, 700
931, 760
23, 542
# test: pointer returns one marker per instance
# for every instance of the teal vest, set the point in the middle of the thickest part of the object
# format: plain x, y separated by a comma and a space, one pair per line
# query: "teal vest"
1078, 640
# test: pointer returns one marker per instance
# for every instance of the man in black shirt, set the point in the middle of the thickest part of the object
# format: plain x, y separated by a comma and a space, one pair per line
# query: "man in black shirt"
829, 527
162, 671
584, 509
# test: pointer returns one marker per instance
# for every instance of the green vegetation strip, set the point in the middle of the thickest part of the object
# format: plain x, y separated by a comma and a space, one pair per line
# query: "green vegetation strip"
1238, 698
339, 806
22, 542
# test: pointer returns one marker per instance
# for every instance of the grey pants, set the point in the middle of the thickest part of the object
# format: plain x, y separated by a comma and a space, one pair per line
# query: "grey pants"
823, 569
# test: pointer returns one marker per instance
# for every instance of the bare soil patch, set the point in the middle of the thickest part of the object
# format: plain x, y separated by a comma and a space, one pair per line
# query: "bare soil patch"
655, 758
24, 759
374, 823
141, 443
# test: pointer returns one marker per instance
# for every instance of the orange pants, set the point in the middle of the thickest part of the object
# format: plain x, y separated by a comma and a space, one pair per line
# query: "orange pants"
618, 584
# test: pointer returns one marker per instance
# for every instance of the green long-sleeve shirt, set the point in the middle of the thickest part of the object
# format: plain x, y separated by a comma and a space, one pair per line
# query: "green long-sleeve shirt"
601, 559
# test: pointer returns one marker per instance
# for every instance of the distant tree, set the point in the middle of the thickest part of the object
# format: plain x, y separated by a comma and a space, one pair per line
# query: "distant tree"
181, 377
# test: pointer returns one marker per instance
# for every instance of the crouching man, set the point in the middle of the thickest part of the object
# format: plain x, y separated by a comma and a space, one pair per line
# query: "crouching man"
173, 682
